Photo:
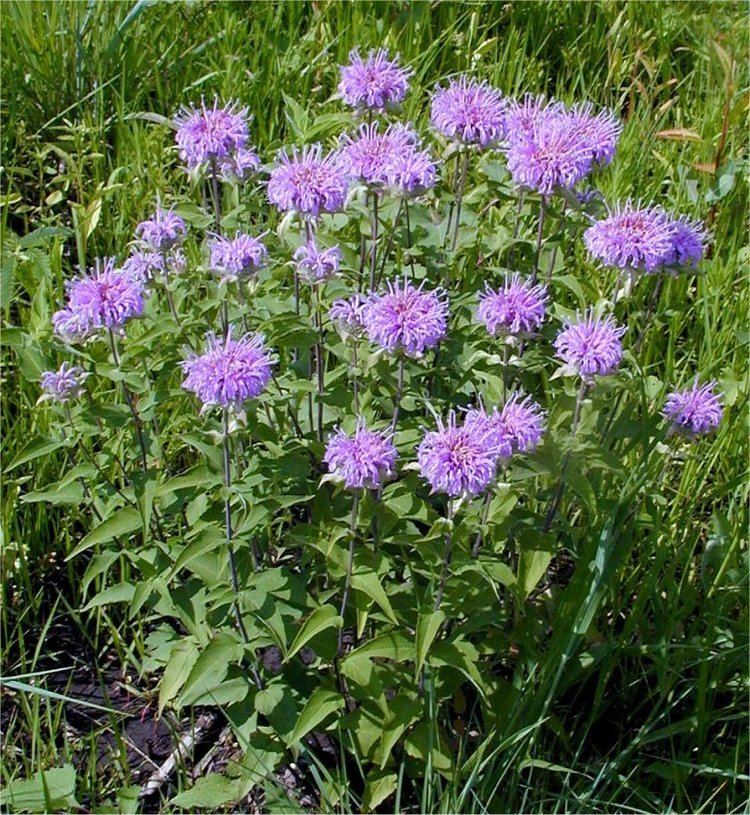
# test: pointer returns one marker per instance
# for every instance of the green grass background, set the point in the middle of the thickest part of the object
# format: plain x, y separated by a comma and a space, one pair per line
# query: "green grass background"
660, 725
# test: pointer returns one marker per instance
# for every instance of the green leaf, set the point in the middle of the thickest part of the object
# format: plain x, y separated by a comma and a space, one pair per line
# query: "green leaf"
321, 704
211, 667
69, 494
123, 522
39, 446
266, 700
47, 791
209, 792
369, 584
428, 626
378, 787
322, 617
177, 670
119, 593
531, 569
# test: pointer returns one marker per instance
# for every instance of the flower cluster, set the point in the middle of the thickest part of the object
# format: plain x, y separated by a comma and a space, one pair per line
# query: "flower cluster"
517, 306
317, 265
348, 315
362, 461
406, 318
517, 427
308, 182
375, 83
64, 384
590, 346
216, 137
104, 298
459, 459
551, 146
233, 258
645, 239
144, 265
694, 411
469, 112
229, 372
162, 230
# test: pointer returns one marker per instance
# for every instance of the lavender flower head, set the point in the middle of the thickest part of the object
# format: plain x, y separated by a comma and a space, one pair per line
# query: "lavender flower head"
162, 230
317, 265
211, 134
590, 346
348, 315
369, 154
362, 461
459, 459
308, 182
411, 172
146, 265
239, 166
553, 154
521, 421
233, 258
64, 384
406, 318
631, 238
103, 298
695, 410
601, 131
688, 239
517, 306
520, 117
470, 112
375, 83
229, 371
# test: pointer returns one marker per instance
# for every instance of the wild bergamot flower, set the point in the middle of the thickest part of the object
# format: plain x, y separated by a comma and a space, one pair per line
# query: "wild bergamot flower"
64, 384
590, 346
517, 306
240, 256
695, 410
211, 134
308, 182
317, 265
362, 461
374, 83
470, 112
229, 372
162, 230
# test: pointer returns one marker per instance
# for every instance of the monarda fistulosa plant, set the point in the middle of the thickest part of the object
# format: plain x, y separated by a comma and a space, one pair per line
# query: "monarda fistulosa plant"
366, 400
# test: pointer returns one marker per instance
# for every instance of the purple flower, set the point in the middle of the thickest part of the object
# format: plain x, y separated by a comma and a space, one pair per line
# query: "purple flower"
210, 134
411, 172
406, 318
521, 117
146, 265
349, 315
695, 410
601, 131
232, 258
590, 346
522, 422
470, 112
376, 83
317, 265
459, 459
239, 166
518, 306
229, 372
64, 384
105, 298
362, 461
368, 155
688, 240
308, 182
631, 238
553, 154
162, 230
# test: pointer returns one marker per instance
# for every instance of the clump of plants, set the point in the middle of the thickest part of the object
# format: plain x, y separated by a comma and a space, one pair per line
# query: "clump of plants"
331, 455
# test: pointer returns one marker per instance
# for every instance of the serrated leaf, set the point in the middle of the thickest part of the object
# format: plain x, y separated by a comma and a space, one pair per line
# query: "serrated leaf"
321, 704
123, 522
211, 667
369, 584
181, 661
428, 626
209, 792
532, 566
119, 593
378, 787
46, 791
39, 446
321, 618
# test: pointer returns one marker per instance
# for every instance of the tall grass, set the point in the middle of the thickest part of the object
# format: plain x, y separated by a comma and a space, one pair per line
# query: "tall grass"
649, 714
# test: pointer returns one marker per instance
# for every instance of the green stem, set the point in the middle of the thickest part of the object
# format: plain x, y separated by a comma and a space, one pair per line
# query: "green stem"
349, 568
